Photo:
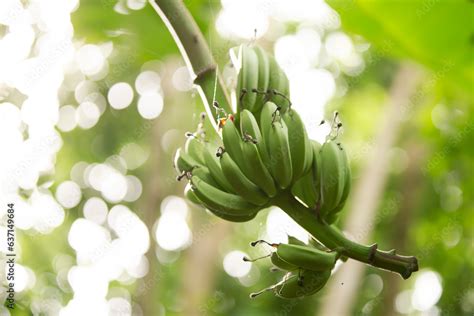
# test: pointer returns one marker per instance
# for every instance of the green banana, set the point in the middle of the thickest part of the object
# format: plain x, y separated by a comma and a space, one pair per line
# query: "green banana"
232, 143
278, 86
184, 162
305, 284
195, 148
284, 89
214, 166
274, 81
333, 174
282, 264
248, 79
233, 218
279, 149
258, 173
215, 199
308, 187
297, 138
306, 257
190, 195
309, 155
334, 214
249, 126
204, 174
263, 77
240, 183
305, 190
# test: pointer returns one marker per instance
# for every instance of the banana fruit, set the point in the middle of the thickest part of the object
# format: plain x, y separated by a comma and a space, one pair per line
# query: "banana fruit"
301, 155
307, 188
312, 282
220, 201
275, 135
240, 183
248, 78
260, 79
258, 173
335, 179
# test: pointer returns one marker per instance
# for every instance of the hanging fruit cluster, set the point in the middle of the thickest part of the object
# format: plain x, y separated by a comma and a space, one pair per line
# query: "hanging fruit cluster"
265, 151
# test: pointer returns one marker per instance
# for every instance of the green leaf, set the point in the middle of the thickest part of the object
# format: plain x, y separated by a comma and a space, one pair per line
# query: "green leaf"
438, 34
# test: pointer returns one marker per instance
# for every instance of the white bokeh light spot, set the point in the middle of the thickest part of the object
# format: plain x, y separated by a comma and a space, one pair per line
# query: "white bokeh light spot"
120, 95
87, 115
68, 194
95, 210
427, 290
234, 264
90, 59
150, 105
67, 118
148, 82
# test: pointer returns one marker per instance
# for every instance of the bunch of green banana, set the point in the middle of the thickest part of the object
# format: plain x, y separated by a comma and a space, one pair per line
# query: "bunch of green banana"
260, 79
308, 268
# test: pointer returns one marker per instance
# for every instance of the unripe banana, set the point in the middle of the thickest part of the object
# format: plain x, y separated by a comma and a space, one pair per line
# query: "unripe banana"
263, 77
190, 195
232, 143
233, 218
333, 174
308, 187
215, 199
214, 166
284, 89
308, 161
316, 168
249, 126
308, 283
248, 79
279, 150
183, 162
240, 183
305, 190
333, 216
298, 140
306, 257
282, 264
195, 148
278, 86
204, 174
274, 82
257, 172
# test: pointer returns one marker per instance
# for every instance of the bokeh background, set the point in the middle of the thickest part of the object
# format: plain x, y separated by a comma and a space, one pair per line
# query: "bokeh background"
95, 99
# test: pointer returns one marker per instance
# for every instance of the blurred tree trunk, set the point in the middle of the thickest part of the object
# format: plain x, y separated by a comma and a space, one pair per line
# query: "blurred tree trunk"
153, 194
368, 191
411, 189
200, 266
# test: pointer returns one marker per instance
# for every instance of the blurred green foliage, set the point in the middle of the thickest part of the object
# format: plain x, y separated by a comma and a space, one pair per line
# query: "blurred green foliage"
436, 34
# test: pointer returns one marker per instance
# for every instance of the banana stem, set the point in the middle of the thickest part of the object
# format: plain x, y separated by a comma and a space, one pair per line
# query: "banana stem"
195, 52
332, 238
